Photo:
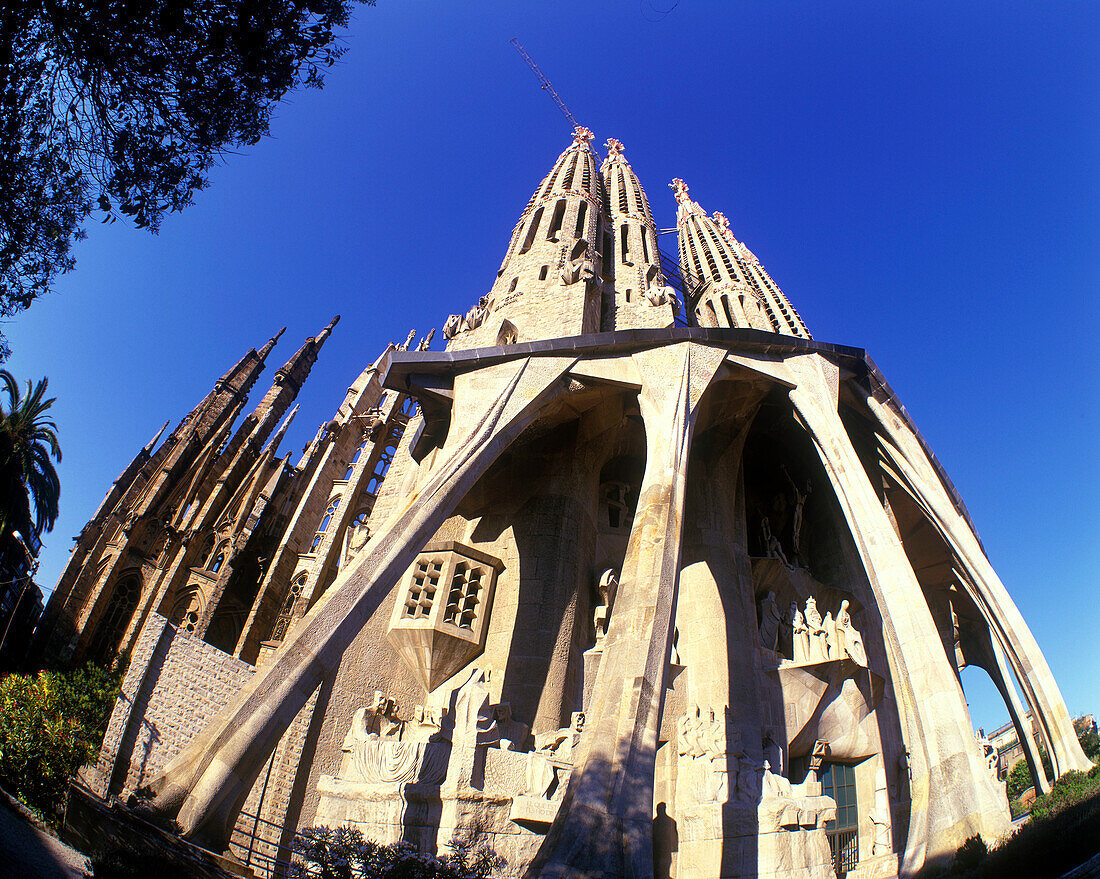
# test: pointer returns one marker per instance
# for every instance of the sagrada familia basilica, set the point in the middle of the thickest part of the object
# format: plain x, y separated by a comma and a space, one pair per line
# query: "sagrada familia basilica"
635, 579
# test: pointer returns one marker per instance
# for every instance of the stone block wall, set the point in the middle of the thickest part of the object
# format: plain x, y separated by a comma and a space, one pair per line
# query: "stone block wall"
175, 685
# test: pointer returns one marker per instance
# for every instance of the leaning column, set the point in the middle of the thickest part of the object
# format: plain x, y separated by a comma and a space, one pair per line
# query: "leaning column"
604, 827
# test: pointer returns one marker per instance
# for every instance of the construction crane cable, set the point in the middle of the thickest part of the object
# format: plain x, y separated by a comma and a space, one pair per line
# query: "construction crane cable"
545, 83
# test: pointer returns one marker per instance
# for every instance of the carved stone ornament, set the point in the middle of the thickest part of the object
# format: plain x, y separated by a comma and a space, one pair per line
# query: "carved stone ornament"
442, 612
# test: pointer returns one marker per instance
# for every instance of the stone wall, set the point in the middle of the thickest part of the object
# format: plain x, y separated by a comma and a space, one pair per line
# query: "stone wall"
175, 684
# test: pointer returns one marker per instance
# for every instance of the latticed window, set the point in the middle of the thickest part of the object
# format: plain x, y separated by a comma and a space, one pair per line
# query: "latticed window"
425, 583
326, 520
441, 616
463, 596
838, 781
286, 612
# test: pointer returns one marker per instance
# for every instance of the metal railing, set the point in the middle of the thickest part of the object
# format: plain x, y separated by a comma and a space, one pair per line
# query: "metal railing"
844, 845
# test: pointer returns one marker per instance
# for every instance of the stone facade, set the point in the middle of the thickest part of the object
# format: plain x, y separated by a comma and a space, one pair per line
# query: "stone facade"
635, 579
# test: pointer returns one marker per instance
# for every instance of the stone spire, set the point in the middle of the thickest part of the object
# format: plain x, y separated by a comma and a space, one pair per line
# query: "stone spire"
639, 298
731, 288
549, 282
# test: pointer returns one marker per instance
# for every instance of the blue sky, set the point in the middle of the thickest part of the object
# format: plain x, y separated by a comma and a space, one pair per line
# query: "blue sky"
920, 179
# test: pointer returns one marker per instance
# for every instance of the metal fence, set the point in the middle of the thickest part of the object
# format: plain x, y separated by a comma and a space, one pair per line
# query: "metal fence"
845, 848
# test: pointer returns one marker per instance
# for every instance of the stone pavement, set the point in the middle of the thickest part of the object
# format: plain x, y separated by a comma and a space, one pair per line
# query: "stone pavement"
31, 853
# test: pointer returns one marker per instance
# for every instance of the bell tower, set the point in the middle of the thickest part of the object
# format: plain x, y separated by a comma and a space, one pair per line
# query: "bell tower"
549, 284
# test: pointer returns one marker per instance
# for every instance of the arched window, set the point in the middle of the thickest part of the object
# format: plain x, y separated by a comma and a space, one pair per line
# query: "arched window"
355, 458
555, 223
380, 469
217, 556
326, 520
532, 230
116, 617
286, 612
582, 215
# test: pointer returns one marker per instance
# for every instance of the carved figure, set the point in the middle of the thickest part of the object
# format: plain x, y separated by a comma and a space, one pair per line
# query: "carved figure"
540, 776
452, 327
800, 635
473, 722
607, 587
735, 758
819, 650
769, 621
880, 841
772, 545
408, 341
426, 342
830, 636
799, 505
660, 294
849, 641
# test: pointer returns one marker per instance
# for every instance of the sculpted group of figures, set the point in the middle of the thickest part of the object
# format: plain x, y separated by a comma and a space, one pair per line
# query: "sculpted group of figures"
812, 638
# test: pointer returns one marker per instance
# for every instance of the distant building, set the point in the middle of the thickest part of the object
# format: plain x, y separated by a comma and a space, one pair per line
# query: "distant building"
635, 579
20, 599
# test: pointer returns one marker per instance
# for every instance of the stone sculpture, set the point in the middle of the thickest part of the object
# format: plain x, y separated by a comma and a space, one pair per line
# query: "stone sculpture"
769, 621
452, 327
880, 844
819, 648
772, 545
607, 587
800, 634
849, 641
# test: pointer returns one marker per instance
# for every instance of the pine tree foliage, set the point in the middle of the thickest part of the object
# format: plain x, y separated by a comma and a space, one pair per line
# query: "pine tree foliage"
120, 107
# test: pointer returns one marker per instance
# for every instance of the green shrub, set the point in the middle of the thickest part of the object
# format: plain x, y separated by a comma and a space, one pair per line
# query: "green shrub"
343, 853
50, 726
1070, 789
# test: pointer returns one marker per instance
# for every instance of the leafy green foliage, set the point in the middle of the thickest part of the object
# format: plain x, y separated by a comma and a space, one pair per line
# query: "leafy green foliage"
1063, 832
1019, 780
343, 853
50, 726
121, 106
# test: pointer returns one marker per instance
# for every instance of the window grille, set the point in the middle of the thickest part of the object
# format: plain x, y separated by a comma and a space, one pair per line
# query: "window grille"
462, 601
421, 595
838, 781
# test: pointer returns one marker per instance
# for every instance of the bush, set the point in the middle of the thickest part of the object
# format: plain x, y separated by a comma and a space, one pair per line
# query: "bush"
50, 726
343, 854
1069, 790
1064, 832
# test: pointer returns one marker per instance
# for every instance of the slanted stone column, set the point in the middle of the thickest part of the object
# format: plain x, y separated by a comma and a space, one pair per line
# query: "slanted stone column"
1016, 713
605, 825
208, 782
953, 796
1005, 621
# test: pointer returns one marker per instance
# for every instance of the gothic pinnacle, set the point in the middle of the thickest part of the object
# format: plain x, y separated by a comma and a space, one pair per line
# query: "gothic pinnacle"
327, 331
152, 444
266, 349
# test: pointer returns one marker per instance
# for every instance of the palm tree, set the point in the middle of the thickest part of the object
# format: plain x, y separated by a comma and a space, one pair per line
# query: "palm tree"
28, 480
